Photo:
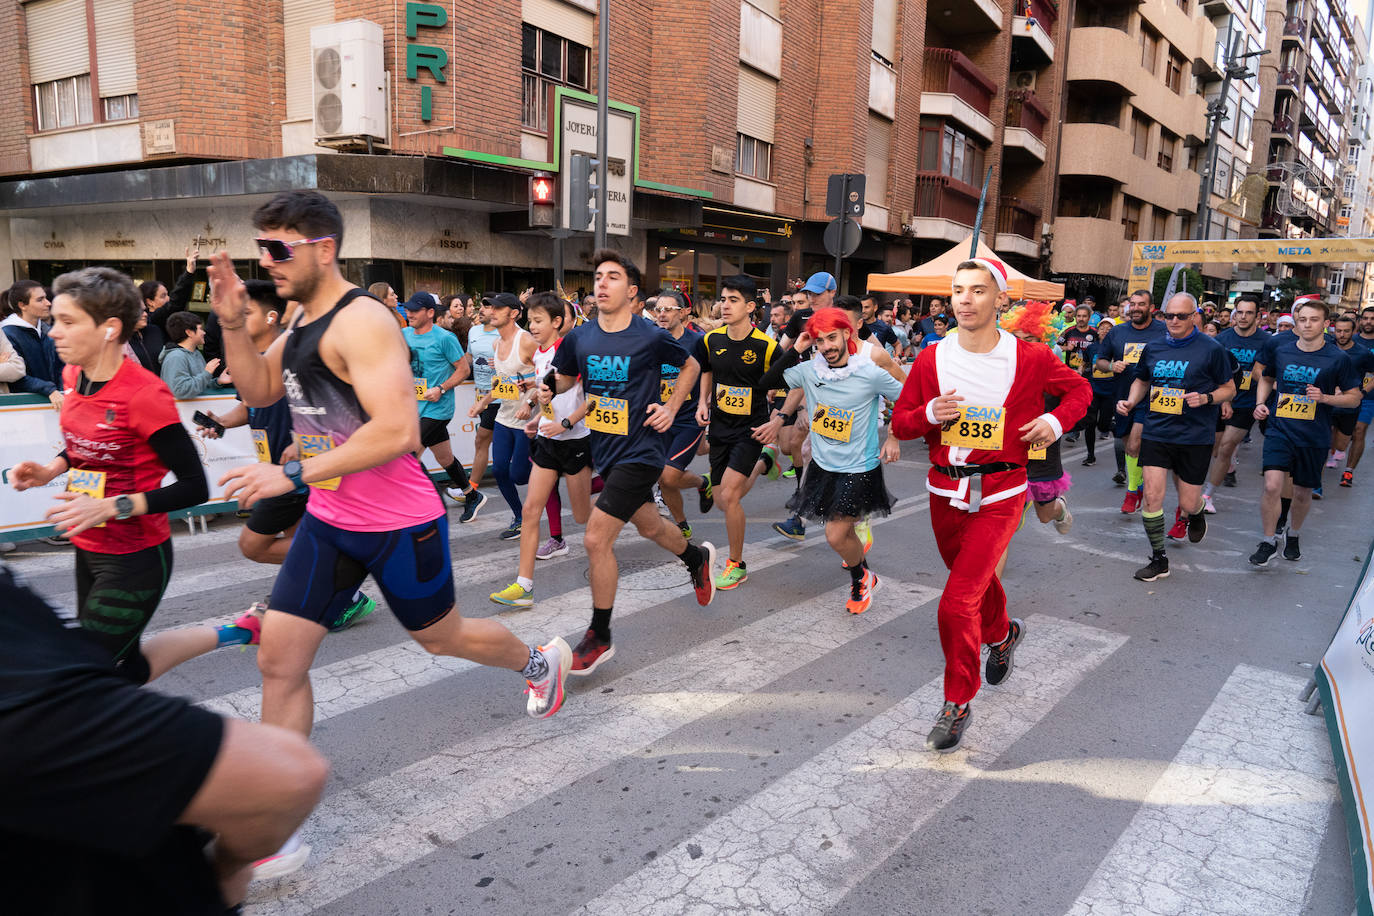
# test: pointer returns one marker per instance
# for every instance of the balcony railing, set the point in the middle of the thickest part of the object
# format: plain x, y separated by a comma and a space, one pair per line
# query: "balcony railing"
1294, 27
1017, 218
1045, 12
947, 70
1024, 110
942, 197
1283, 126
1290, 77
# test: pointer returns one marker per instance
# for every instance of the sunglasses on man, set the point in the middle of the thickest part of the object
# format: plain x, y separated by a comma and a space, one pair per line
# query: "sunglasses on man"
281, 251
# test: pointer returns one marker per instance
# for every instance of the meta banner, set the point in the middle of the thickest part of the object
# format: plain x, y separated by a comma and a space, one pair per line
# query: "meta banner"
1146, 256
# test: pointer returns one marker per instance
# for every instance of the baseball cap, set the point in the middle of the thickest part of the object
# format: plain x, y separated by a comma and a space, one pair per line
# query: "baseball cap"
418, 302
502, 300
819, 282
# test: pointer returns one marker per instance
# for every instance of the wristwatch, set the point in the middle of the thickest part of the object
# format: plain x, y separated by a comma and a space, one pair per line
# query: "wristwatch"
1210, 399
293, 471
124, 507
567, 424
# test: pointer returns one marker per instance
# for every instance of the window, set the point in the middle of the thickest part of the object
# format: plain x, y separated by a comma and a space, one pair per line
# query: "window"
1140, 134
121, 107
948, 150
547, 60
1185, 227
1159, 224
1168, 142
1149, 47
1173, 77
1221, 175
1130, 217
753, 158
1244, 122
1086, 197
63, 103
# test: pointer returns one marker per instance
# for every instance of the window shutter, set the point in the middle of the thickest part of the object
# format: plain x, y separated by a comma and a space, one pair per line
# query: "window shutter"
875, 164
562, 19
57, 36
758, 102
298, 18
884, 39
114, 47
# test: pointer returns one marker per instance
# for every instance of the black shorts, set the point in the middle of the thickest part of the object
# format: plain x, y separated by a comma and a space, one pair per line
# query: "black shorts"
1303, 462
626, 488
116, 595
433, 431
563, 456
1242, 418
487, 418
1189, 462
276, 514
733, 450
1344, 423
325, 566
682, 444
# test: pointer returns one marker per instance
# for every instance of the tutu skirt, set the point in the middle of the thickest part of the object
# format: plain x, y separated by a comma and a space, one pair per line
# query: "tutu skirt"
826, 495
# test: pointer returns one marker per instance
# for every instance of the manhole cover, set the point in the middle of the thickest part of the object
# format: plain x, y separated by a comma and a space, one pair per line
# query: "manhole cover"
648, 575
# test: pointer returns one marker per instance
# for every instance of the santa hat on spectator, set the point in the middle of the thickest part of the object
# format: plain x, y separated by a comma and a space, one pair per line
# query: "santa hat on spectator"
996, 268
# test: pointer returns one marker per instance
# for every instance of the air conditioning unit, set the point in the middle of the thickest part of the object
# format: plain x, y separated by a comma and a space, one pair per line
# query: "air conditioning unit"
1023, 79
350, 99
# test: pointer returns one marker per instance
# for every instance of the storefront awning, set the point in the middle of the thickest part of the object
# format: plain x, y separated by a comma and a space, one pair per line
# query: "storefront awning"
934, 277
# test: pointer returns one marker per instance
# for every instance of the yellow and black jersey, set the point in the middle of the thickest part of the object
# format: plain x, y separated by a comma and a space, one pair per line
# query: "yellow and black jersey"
736, 367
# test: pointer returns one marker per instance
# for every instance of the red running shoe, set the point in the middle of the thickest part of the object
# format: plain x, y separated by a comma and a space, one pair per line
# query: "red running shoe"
1131, 503
590, 653
1180, 529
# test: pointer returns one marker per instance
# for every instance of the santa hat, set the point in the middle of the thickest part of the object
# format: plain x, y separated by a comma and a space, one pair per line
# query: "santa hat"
1306, 297
996, 268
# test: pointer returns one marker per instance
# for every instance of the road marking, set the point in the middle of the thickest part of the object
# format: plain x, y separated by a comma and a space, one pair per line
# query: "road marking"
351, 683
368, 831
1235, 823
805, 841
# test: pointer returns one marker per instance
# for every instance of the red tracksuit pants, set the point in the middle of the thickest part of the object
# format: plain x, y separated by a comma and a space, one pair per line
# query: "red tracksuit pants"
973, 607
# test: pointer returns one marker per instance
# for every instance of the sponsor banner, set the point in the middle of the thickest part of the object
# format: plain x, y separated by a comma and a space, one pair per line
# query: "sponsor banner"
1145, 256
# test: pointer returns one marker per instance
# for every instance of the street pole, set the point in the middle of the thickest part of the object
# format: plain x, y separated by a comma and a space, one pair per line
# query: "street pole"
844, 225
1215, 112
602, 117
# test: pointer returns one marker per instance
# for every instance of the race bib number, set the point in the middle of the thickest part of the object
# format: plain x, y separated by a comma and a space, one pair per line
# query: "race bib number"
546, 411
1131, 355
1075, 360
833, 422
1297, 407
308, 446
608, 415
421, 387
92, 483
260, 446
738, 401
666, 387
505, 389
1101, 373
1036, 454
975, 427
1247, 378
1166, 400
1368, 381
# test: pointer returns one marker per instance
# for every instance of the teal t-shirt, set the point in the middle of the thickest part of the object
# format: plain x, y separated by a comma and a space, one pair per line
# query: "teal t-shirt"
843, 413
433, 356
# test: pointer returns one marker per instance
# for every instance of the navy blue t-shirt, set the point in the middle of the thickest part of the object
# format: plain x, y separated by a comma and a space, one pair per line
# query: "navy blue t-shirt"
625, 365
1246, 351
1293, 370
275, 421
1202, 365
687, 415
1363, 360
1126, 341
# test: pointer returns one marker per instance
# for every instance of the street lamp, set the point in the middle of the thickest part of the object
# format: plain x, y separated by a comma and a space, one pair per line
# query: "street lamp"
1216, 113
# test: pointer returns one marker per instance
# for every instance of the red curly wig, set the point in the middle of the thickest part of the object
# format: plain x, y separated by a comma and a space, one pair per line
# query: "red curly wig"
831, 319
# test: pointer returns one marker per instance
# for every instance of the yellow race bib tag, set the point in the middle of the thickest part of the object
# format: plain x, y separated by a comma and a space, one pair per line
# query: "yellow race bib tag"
1368, 381
833, 422
1036, 454
1247, 378
261, 447
1075, 360
505, 389
1166, 400
92, 483
1297, 407
1101, 373
546, 411
666, 387
421, 387
737, 401
1131, 355
308, 446
608, 415
975, 427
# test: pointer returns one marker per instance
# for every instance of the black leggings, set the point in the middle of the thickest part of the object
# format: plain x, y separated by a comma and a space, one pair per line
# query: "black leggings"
116, 595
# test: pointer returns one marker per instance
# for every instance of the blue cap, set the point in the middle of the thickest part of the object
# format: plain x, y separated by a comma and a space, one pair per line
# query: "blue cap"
819, 283
418, 302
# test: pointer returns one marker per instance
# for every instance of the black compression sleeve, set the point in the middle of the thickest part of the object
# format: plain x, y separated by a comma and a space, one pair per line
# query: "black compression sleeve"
773, 377
175, 450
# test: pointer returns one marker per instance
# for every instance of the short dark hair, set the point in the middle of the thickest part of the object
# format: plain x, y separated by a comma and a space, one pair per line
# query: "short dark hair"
743, 285
147, 290
549, 304
676, 296
181, 325
103, 294
1349, 318
308, 212
1253, 300
264, 293
1149, 298
17, 295
871, 297
849, 304
1313, 304
632, 274
941, 318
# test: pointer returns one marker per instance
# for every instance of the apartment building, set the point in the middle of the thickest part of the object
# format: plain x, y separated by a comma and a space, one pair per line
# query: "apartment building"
143, 124
1134, 125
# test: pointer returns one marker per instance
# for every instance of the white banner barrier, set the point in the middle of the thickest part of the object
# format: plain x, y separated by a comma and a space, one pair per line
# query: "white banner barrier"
1345, 678
29, 431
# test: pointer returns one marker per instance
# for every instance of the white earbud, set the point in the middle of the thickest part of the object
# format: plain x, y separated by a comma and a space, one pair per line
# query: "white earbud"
109, 333
271, 317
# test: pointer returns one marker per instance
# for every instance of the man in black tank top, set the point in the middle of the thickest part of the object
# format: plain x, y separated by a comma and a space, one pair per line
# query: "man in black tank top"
344, 368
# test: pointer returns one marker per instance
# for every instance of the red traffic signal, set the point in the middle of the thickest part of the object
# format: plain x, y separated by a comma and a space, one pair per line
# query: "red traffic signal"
541, 190
543, 201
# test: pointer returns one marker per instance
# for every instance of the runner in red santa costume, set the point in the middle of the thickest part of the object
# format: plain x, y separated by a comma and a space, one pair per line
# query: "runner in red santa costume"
977, 398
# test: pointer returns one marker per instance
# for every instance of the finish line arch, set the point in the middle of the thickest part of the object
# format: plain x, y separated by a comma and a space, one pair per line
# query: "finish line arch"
1147, 256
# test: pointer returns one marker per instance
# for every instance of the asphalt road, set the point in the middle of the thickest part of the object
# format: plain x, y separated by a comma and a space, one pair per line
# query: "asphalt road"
765, 755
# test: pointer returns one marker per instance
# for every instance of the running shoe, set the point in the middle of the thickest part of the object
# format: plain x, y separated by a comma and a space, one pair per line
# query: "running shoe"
1157, 568
1197, 527
355, 612
472, 504
1064, 523
1131, 503
590, 654
1208, 506
1000, 655
1335, 460
704, 498
663, 509
553, 547
284, 861
1347, 479
790, 473
1071, 438
1180, 529
686, 529
769, 457
1316, 492
703, 581
457, 494
1119, 478
1089, 461
1264, 552
865, 532
733, 576
861, 593
793, 528
1291, 550
1229, 480
251, 620
514, 595
512, 531
948, 732
546, 694
55, 541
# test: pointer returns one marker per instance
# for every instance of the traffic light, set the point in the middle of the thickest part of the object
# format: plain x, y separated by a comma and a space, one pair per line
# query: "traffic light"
543, 202
581, 192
